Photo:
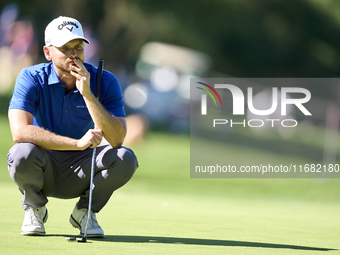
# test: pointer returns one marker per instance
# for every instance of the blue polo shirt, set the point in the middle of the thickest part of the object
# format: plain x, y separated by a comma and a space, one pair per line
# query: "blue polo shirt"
38, 90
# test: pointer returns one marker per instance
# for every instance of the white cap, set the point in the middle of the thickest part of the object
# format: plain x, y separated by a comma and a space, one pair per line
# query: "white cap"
62, 30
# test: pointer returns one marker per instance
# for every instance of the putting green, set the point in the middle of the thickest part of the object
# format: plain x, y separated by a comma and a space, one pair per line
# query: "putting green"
162, 211
163, 223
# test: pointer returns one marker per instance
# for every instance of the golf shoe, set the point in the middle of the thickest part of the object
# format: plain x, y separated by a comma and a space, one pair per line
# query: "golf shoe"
34, 221
78, 220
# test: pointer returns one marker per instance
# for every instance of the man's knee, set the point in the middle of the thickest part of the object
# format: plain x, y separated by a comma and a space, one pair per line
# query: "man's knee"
22, 157
121, 158
128, 158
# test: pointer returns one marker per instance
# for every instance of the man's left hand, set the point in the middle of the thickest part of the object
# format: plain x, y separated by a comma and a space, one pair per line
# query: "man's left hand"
82, 78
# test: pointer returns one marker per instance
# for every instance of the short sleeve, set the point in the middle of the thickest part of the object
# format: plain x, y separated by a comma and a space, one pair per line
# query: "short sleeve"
26, 93
112, 98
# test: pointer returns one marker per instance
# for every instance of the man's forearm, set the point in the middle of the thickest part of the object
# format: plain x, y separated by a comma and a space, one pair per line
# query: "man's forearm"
45, 139
114, 130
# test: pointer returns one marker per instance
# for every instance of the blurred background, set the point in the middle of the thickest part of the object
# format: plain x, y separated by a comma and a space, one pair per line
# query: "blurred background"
155, 47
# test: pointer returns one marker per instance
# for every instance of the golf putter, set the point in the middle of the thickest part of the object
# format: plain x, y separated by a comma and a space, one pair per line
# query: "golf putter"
83, 239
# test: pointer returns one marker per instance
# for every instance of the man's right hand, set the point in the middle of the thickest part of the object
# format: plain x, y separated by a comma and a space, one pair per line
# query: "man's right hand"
92, 138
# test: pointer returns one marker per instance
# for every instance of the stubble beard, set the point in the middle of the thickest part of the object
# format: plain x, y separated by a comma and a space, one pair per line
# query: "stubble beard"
65, 68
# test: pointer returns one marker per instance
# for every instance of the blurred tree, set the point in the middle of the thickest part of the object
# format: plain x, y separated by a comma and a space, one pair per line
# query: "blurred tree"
244, 38
252, 38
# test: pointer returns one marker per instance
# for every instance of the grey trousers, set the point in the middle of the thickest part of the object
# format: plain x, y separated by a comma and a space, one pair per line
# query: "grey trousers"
41, 173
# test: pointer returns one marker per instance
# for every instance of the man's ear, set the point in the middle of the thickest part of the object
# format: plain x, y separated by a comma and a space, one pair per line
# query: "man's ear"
47, 53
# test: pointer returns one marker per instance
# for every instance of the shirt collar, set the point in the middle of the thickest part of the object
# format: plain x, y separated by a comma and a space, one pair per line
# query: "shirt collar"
53, 77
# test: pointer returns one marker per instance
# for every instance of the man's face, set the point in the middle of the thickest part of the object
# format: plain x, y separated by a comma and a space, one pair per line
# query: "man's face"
63, 57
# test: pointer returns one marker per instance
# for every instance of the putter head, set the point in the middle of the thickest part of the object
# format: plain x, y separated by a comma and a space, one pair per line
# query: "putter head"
82, 239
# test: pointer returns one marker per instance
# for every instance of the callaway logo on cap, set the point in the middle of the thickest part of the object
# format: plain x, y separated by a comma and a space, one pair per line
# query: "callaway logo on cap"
62, 30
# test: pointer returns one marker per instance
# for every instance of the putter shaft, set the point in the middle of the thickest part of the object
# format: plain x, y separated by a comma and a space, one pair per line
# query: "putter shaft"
98, 92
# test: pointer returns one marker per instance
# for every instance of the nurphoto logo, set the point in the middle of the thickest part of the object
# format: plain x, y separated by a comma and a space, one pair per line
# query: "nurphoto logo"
264, 127
282, 95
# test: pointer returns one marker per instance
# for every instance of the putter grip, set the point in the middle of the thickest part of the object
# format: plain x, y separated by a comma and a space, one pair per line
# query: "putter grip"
99, 77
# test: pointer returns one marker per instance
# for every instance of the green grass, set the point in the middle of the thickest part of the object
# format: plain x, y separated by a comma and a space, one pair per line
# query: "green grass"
162, 211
